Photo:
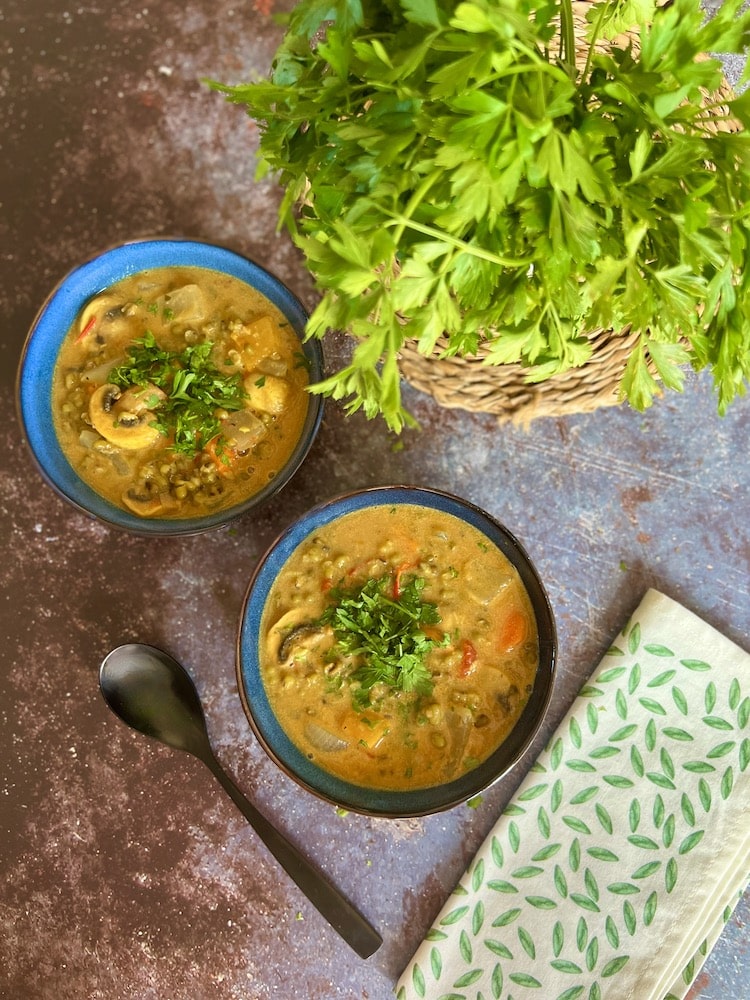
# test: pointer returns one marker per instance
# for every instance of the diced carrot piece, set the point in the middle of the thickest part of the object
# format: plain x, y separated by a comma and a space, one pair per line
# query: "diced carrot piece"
513, 631
224, 458
397, 585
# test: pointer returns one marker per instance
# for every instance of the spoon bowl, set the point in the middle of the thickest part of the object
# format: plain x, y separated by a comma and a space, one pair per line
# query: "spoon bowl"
153, 693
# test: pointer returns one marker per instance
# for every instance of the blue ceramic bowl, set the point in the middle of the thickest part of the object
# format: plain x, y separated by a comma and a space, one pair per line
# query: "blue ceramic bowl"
291, 760
35, 374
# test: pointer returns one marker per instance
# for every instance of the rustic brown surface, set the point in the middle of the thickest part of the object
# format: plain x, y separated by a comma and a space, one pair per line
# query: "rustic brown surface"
126, 873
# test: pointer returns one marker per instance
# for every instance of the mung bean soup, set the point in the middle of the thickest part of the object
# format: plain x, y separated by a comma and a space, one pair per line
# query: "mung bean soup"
179, 391
398, 647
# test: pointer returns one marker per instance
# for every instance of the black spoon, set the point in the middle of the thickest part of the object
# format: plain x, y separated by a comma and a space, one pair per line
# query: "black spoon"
153, 693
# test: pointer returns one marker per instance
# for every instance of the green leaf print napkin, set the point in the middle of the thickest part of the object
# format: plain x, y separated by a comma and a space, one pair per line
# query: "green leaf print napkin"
612, 871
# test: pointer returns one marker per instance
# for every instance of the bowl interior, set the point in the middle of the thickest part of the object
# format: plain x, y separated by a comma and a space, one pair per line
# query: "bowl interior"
278, 745
36, 369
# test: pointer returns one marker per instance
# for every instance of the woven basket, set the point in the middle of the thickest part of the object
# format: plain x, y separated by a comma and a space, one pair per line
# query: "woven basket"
469, 383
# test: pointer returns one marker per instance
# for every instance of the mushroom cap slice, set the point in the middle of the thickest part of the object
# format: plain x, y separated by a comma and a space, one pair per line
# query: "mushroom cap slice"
122, 419
149, 504
106, 315
143, 506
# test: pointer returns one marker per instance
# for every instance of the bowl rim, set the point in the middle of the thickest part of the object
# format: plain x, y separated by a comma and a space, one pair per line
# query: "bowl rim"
278, 746
92, 276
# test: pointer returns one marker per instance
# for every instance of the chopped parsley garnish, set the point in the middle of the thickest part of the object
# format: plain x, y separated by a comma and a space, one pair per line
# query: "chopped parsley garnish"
384, 634
195, 389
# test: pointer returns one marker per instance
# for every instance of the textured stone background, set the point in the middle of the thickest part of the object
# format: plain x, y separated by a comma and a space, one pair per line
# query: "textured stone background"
126, 873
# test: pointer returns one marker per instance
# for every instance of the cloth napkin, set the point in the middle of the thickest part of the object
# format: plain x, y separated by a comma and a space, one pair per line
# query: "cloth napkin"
612, 871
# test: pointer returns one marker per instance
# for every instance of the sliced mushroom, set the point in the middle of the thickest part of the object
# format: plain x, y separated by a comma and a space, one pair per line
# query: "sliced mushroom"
102, 315
277, 632
140, 399
148, 502
142, 504
126, 418
301, 637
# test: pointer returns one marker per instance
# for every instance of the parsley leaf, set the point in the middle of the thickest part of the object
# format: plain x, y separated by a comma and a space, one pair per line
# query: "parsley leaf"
384, 634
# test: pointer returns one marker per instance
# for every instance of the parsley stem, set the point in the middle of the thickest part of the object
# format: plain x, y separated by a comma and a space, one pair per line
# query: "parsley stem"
470, 248
568, 39
415, 200
522, 69
603, 11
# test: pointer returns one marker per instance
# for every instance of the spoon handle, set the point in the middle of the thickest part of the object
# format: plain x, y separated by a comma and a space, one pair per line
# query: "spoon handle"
337, 910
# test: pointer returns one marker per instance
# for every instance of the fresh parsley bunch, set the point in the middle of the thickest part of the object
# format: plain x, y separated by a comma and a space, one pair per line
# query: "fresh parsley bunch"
452, 170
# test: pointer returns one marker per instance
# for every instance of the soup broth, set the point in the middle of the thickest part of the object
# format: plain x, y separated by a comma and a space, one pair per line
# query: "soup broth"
476, 636
178, 392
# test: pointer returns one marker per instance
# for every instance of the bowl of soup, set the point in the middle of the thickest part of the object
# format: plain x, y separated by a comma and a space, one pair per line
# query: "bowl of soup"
163, 386
396, 651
